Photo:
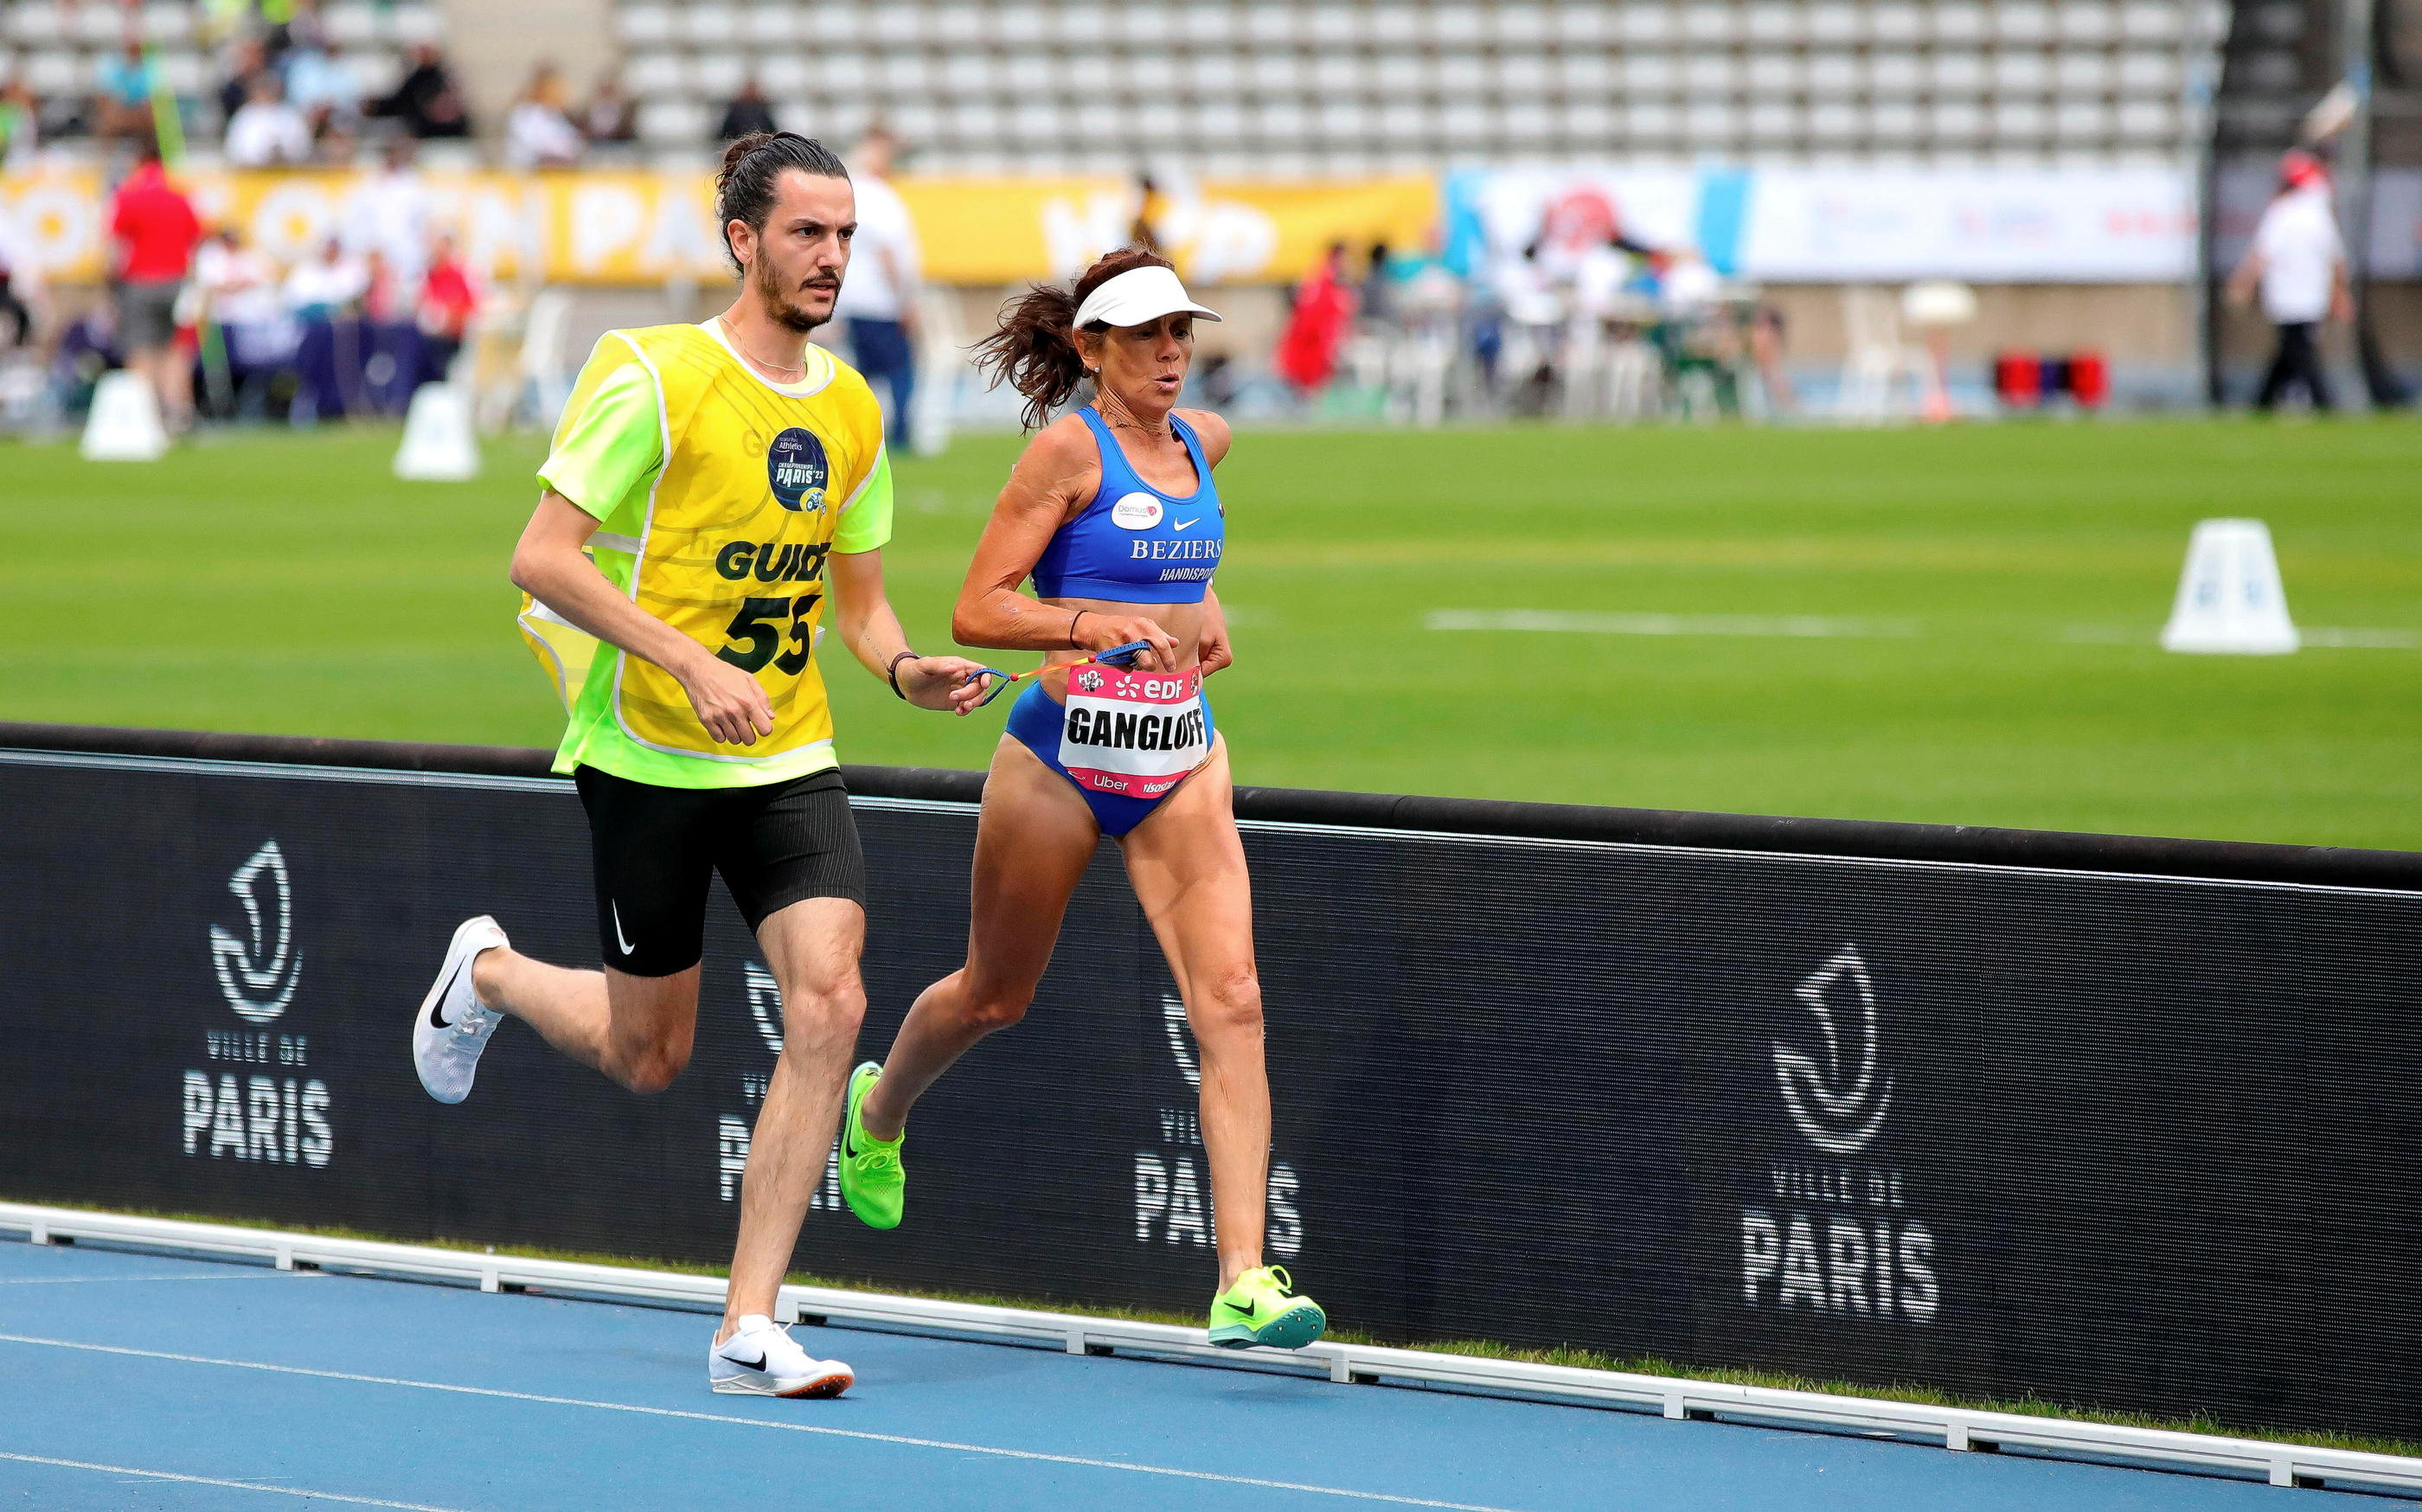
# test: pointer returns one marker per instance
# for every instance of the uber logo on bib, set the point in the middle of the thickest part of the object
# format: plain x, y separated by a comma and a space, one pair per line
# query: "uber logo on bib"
1136, 511
795, 466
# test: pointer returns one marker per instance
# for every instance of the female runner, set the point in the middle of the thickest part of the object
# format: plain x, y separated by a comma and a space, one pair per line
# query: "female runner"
1113, 512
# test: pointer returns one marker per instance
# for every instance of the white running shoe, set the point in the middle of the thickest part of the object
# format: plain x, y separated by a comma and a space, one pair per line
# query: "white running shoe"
760, 1360
453, 1025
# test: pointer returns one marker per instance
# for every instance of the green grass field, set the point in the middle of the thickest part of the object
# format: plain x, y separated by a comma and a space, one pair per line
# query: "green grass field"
289, 584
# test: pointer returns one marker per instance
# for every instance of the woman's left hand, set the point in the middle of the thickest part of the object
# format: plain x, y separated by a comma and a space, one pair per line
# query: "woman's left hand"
941, 682
1212, 648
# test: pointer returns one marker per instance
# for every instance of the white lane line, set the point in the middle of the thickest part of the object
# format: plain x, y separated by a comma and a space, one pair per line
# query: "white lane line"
237, 1484
90, 1281
755, 1423
1788, 625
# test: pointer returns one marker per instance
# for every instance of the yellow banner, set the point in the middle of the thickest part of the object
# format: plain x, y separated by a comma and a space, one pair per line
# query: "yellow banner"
614, 226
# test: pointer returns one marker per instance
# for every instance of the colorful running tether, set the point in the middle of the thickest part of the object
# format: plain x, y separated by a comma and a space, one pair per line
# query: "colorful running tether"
1264, 1308
1115, 656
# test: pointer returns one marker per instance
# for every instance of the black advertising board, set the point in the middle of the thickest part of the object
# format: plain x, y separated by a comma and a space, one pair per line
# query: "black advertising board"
2137, 1135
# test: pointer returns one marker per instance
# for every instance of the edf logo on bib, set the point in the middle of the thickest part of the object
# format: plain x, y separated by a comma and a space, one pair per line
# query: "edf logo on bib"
796, 468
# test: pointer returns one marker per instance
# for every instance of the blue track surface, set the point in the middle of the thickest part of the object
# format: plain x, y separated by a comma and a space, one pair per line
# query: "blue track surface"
131, 1380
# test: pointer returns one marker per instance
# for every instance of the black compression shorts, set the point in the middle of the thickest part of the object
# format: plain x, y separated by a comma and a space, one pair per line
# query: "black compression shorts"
654, 847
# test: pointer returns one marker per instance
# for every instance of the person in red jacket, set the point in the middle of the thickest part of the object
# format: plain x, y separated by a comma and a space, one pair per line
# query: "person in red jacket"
154, 233
1323, 313
448, 299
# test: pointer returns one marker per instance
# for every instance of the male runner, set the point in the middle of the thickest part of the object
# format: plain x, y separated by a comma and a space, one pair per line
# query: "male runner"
722, 476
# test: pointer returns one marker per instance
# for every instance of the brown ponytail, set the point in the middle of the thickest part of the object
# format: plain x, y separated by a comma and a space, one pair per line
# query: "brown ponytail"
1035, 350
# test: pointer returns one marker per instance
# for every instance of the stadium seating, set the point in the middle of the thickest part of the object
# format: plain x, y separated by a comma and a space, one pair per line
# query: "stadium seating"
58, 49
1314, 86
1322, 86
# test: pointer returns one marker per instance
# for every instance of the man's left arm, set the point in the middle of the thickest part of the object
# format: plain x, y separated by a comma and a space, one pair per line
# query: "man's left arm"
862, 611
863, 618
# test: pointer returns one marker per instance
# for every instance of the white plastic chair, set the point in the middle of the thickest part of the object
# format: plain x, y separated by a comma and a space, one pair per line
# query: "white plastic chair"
717, 76
653, 74
644, 25
2021, 68
409, 24
764, 26
164, 22
784, 73
350, 24
710, 24
33, 22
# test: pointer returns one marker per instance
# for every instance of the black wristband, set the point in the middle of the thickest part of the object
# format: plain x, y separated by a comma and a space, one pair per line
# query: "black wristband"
893, 672
1072, 628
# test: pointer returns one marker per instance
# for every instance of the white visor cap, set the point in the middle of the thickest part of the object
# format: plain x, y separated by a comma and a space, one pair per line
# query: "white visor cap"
1138, 298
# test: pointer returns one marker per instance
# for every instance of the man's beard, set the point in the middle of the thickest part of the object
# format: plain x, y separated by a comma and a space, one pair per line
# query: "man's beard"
779, 304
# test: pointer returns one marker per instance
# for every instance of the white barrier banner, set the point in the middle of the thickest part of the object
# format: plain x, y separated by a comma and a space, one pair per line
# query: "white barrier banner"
2002, 225
1852, 225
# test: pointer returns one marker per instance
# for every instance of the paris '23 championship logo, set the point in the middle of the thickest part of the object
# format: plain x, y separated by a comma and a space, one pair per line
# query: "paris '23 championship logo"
258, 973
1836, 1102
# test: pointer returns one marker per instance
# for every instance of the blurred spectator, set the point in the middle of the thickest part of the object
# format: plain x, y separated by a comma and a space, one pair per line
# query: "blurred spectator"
1689, 287
390, 332
1316, 328
747, 115
302, 27
268, 132
323, 86
16, 291
21, 128
239, 286
152, 232
609, 116
878, 298
321, 296
122, 105
247, 62
2297, 265
390, 213
449, 300
1150, 205
1375, 300
537, 133
427, 99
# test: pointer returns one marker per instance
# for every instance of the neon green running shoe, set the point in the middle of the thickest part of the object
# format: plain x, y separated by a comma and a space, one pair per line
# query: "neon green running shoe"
1264, 1308
872, 1180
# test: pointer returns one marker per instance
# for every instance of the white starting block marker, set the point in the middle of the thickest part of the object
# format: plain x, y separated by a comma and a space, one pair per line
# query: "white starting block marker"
124, 424
438, 446
2230, 602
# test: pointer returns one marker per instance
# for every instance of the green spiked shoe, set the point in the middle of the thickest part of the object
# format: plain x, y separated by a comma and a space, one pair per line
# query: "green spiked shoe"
872, 1180
1262, 1308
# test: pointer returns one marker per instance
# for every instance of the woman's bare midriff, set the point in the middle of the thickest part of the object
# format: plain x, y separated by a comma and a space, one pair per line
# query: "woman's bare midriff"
1183, 621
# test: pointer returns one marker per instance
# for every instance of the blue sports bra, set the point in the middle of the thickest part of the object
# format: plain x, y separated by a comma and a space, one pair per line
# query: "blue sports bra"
1134, 544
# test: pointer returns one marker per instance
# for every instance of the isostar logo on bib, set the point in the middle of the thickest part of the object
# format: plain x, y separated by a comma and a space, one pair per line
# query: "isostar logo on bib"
247, 1115
796, 468
1136, 511
1838, 1239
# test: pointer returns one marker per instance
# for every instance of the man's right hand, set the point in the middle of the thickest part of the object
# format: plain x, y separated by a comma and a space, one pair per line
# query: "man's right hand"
1096, 630
733, 708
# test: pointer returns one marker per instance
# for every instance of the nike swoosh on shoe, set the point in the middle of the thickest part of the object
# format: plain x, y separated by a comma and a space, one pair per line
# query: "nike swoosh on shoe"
437, 1003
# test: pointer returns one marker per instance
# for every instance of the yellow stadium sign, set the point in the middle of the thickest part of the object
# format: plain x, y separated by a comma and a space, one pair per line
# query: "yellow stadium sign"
611, 227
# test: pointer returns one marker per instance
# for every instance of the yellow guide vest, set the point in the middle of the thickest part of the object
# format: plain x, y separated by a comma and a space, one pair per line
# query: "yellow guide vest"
730, 548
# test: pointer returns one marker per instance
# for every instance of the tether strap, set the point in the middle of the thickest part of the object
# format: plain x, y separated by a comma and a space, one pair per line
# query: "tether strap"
1115, 656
